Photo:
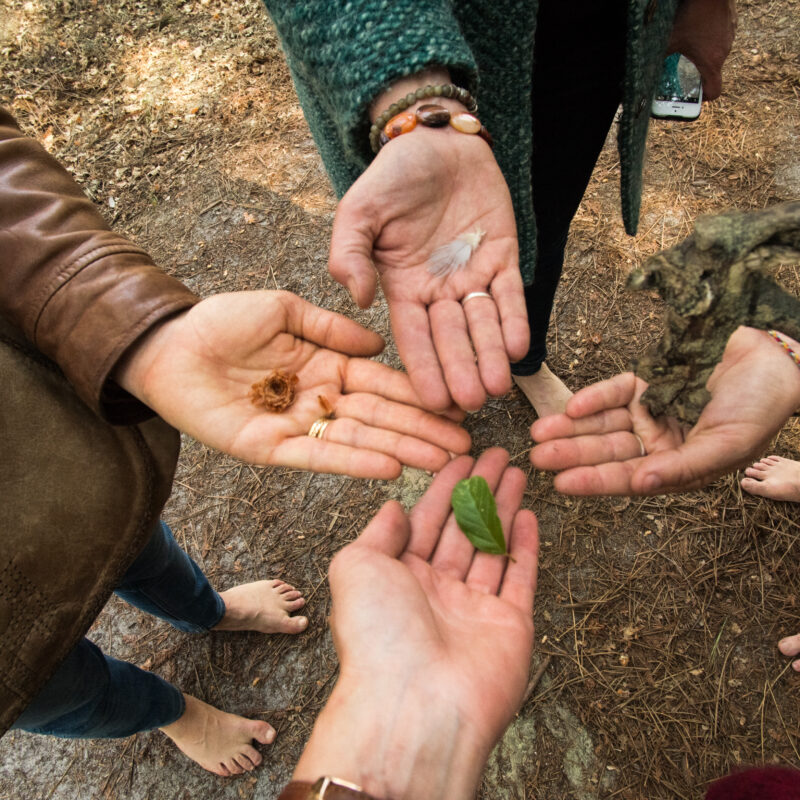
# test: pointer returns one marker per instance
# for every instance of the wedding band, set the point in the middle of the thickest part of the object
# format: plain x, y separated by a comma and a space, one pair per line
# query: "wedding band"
642, 448
475, 294
318, 427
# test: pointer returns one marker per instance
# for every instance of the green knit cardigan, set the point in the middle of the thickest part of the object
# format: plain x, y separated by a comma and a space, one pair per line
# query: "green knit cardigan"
343, 53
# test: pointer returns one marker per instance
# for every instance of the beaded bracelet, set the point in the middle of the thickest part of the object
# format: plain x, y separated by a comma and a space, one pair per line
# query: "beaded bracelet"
438, 90
433, 116
779, 339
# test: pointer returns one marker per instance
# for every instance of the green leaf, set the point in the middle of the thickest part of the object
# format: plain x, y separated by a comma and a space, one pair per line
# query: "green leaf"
476, 515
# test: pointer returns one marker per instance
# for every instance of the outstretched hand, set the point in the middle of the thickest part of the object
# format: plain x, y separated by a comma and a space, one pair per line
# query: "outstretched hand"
594, 446
434, 641
424, 190
196, 371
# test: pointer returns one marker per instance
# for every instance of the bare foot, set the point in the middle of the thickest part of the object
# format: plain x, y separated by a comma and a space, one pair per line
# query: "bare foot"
220, 742
790, 646
774, 477
262, 606
546, 392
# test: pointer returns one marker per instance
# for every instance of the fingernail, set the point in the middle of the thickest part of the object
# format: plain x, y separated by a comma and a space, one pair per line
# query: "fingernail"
651, 483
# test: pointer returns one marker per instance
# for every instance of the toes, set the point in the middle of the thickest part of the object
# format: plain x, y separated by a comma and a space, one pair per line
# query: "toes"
753, 486
232, 767
252, 755
293, 595
284, 588
796, 665
754, 472
244, 761
294, 624
294, 605
221, 770
263, 732
790, 646
278, 584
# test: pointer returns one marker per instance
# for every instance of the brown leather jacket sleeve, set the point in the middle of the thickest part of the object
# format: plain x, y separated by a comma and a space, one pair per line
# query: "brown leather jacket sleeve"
79, 292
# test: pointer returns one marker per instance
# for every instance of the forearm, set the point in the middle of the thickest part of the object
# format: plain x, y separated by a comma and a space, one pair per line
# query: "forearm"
81, 293
395, 745
343, 55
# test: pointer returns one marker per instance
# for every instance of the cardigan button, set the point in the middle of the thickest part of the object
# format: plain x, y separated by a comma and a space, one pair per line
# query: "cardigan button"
650, 11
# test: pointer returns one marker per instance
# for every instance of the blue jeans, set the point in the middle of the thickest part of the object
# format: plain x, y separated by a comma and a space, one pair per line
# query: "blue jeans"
94, 696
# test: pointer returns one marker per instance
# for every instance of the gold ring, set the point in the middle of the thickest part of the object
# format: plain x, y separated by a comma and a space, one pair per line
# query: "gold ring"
642, 448
317, 429
475, 294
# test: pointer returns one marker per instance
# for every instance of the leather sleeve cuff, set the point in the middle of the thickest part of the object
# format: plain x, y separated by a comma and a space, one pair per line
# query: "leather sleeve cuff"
323, 789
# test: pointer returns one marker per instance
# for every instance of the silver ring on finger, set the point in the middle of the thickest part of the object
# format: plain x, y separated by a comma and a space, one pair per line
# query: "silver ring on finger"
471, 295
642, 448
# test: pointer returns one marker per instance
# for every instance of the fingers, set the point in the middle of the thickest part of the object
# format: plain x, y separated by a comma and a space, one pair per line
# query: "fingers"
318, 455
790, 646
409, 450
509, 295
616, 392
487, 338
519, 581
454, 551
328, 329
581, 451
430, 513
559, 426
389, 419
412, 335
454, 351
691, 464
612, 478
352, 240
377, 378
388, 532
486, 571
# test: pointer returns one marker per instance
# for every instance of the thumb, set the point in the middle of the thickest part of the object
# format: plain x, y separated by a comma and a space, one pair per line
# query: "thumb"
350, 261
327, 328
388, 532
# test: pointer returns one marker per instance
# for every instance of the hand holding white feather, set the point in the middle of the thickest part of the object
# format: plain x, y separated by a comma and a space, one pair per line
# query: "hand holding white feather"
450, 258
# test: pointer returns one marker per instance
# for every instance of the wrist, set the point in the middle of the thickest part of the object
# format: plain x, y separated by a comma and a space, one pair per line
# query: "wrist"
394, 742
401, 87
136, 363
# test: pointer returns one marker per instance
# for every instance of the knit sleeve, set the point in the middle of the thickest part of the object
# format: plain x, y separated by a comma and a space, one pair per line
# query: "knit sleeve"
343, 53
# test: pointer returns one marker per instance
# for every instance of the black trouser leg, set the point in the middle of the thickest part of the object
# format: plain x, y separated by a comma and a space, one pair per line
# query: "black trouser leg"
577, 86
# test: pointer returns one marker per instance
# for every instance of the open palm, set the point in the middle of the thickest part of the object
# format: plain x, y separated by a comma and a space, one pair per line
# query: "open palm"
197, 370
452, 620
423, 191
754, 389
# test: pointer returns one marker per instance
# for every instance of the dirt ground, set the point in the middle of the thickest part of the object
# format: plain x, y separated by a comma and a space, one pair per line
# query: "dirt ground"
659, 616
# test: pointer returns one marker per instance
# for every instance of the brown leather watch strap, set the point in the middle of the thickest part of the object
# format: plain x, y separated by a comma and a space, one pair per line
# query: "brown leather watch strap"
324, 789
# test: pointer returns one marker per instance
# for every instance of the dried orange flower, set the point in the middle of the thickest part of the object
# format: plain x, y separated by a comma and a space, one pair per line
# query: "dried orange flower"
276, 392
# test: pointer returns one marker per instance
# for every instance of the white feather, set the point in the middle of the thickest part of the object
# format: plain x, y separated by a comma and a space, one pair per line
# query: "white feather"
451, 257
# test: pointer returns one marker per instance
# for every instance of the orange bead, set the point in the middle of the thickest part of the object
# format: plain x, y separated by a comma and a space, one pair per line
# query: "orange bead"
466, 123
402, 123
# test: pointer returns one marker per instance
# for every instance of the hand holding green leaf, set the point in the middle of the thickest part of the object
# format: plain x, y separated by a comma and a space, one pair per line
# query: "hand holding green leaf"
476, 514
